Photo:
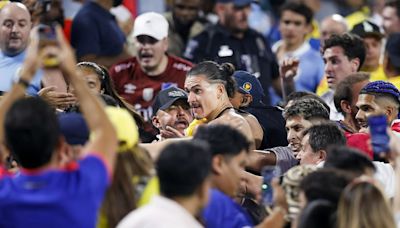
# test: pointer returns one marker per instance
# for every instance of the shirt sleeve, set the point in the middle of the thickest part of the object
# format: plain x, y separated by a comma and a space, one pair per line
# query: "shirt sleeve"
84, 37
94, 172
284, 158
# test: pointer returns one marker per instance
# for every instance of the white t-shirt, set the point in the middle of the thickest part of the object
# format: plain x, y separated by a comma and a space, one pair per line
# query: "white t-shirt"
386, 176
160, 212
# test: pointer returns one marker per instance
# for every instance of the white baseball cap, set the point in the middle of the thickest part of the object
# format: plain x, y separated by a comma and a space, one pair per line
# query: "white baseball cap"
151, 24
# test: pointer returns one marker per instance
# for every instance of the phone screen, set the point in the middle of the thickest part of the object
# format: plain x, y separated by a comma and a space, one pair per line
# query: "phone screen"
378, 130
268, 173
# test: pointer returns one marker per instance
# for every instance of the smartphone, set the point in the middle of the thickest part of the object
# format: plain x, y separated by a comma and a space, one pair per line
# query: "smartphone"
268, 173
378, 131
48, 37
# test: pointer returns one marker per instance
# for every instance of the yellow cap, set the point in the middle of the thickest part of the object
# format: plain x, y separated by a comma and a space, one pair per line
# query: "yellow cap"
127, 131
3, 3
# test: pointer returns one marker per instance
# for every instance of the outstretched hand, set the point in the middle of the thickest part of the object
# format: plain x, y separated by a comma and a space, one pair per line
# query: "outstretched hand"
289, 68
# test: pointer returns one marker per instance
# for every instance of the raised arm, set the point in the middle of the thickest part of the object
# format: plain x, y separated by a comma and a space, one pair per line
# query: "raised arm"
27, 72
105, 139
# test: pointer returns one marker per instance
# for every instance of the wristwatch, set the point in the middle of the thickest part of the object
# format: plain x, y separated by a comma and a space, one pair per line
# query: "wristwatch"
18, 80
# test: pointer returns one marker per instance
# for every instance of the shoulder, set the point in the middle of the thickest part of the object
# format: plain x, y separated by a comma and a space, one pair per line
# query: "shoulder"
222, 211
124, 65
179, 63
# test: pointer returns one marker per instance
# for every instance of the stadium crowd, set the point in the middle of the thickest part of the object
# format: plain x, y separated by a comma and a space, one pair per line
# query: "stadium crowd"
192, 113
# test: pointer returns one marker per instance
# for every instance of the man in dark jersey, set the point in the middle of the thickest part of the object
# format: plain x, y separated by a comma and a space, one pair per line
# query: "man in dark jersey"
139, 79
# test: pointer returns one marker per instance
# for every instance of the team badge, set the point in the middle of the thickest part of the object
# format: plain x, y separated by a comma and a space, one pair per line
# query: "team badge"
129, 88
247, 86
148, 94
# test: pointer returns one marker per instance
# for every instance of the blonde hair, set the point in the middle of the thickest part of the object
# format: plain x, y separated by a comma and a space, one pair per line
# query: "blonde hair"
363, 205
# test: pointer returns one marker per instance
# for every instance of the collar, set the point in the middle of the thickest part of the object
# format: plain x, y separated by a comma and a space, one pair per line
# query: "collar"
296, 53
174, 207
20, 56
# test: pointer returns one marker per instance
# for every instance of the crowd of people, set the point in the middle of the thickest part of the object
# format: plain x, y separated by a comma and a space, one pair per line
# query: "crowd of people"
197, 117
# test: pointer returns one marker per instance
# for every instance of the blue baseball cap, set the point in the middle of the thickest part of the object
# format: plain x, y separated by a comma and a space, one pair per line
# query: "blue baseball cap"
237, 3
247, 83
73, 127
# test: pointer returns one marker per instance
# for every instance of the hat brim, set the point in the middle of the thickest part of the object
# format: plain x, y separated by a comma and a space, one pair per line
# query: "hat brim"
241, 90
377, 35
243, 3
147, 34
169, 103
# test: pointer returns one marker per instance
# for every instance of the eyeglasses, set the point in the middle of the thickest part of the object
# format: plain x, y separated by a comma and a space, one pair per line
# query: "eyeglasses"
146, 40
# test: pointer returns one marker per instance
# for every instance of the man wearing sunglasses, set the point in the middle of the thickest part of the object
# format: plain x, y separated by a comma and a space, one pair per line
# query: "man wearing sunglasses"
141, 78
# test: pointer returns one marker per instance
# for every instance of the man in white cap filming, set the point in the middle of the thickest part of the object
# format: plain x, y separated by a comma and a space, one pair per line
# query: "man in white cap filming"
139, 79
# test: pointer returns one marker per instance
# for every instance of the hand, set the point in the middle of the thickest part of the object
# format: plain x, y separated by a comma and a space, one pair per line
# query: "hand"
171, 132
288, 69
57, 99
279, 195
31, 62
66, 54
251, 184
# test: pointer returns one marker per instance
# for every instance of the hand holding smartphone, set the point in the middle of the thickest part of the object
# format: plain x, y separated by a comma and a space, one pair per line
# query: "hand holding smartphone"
378, 131
268, 173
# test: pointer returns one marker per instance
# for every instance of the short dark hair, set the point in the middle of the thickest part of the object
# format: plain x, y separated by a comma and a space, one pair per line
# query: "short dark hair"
31, 132
352, 45
323, 135
223, 139
215, 72
299, 95
306, 108
183, 167
343, 90
299, 8
348, 159
318, 213
395, 4
326, 184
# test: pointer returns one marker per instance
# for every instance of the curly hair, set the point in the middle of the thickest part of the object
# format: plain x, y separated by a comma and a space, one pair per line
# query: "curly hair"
352, 45
307, 108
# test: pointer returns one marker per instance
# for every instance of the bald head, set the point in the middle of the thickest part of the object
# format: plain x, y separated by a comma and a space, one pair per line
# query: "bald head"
15, 22
333, 24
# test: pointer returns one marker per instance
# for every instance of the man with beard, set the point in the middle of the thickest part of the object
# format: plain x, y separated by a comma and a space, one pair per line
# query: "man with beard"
141, 78
299, 115
171, 113
232, 41
379, 97
184, 23
14, 35
95, 34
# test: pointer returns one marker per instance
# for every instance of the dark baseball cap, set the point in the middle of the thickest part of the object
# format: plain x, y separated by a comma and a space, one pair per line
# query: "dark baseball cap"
248, 84
393, 49
74, 128
165, 98
367, 29
238, 3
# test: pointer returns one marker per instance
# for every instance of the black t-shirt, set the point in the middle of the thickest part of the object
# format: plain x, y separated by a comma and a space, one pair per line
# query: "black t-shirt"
252, 53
